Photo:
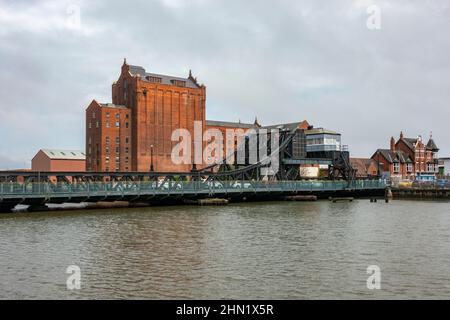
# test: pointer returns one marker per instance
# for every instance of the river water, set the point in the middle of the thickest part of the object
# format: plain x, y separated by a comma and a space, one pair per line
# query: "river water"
266, 250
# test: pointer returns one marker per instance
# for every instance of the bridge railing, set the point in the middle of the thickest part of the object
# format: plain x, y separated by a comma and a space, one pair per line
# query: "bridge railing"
89, 189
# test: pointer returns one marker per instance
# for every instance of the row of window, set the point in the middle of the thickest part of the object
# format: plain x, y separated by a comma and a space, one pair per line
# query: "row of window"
117, 150
409, 167
107, 140
107, 124
117, 115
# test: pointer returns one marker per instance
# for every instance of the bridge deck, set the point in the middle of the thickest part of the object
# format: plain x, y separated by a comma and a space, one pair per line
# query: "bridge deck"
47, 192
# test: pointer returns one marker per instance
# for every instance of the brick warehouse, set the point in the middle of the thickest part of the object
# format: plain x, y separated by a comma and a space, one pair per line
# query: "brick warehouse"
133, 133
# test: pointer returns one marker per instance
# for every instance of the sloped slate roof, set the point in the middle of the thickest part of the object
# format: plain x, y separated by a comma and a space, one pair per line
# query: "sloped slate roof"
64, 154
230, 124
165, 79
431, 145
287, 126
410, 142
394, 156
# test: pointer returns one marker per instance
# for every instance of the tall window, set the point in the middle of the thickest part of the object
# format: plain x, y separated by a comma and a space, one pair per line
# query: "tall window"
396, 167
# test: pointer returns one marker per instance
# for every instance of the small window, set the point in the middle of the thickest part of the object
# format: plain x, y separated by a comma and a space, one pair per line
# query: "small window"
93, 115
63, 153
117, 124
127, 116
126, 125
73, 153
117, 150
117, 140
107, 114
117, 159
107, 124
90, 125
117, 115
52, 152
97, 124
127, 140
107, 140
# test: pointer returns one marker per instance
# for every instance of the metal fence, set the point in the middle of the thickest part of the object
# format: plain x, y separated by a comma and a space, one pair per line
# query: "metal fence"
122, 188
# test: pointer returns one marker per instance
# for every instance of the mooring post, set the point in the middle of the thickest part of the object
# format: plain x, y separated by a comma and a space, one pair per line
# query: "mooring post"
387, 194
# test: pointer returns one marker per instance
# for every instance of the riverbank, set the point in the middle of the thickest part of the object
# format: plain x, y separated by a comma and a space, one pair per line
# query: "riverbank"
425, 194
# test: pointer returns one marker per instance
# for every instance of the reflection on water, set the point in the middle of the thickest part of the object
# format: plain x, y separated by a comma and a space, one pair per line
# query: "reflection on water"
254, 251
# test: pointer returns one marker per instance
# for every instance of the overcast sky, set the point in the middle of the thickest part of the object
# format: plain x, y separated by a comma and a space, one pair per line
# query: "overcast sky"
281, 61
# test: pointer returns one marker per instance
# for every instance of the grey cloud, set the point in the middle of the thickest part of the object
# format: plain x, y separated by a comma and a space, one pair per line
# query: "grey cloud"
278, 60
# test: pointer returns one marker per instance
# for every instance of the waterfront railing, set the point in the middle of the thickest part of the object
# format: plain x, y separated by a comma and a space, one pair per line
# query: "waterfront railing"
111, 188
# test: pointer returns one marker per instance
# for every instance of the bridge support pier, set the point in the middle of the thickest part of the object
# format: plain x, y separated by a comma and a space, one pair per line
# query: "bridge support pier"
387, 194
6, 207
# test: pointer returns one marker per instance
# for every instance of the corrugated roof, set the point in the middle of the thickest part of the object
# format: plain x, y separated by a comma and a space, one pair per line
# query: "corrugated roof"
165, 79
64, 154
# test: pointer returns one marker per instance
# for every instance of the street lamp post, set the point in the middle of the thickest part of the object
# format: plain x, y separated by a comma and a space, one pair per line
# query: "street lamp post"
151, 159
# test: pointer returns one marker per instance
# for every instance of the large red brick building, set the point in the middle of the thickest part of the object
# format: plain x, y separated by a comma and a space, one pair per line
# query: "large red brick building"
134, 132
409, 158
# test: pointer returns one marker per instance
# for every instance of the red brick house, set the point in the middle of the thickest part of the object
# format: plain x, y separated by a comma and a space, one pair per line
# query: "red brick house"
365, 168
409, 158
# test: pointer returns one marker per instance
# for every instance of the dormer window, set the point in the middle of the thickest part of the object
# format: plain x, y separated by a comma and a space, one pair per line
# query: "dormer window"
154, 79
179, 83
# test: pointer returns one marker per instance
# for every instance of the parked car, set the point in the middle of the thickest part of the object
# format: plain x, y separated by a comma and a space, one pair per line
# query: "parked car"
405, 184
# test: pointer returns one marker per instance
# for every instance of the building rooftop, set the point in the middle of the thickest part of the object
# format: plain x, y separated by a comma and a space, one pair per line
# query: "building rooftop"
289, 126
321, 131
190, 81
64, 154
431, 145
230, 124
394, 156
111, 105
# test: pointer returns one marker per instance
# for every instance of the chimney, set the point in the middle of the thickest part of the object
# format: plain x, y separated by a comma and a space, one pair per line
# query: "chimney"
401, 134
392, 144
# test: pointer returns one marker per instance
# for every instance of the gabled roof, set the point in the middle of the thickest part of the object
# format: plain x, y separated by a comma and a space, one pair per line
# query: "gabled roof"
361, 164
394, 156
410, 142
165, 79
64, 154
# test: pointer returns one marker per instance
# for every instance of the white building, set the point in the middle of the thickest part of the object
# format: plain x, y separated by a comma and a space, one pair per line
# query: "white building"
444, 166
